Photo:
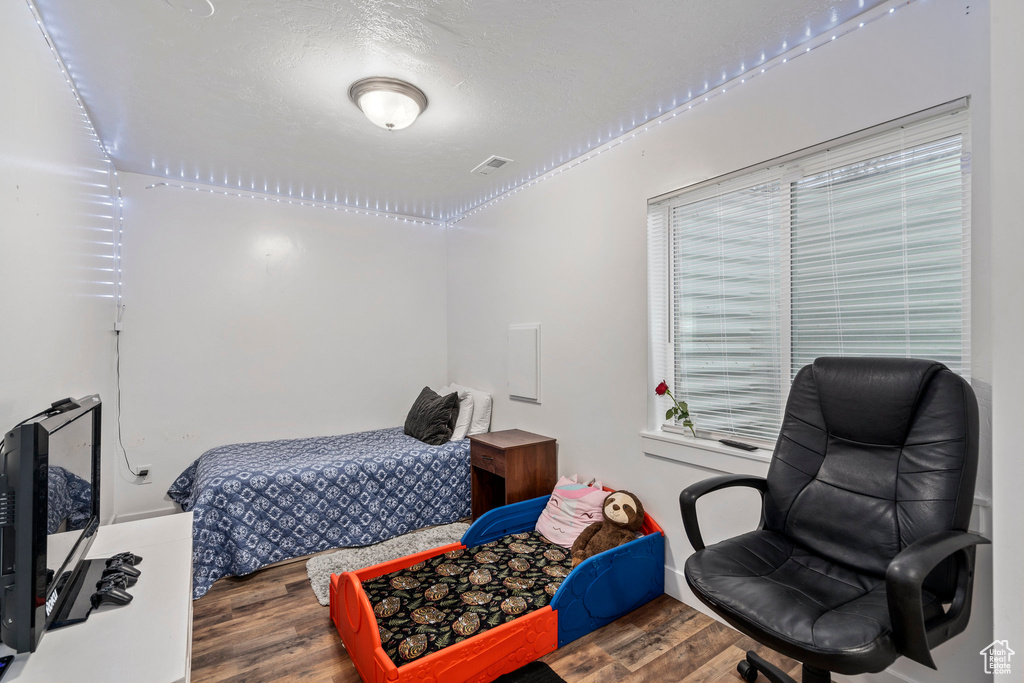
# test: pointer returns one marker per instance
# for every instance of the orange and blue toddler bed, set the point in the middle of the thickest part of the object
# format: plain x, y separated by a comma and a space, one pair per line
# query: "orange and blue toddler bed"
500, 598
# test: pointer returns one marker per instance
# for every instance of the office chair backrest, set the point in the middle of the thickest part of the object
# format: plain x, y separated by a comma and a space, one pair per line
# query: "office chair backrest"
874, 453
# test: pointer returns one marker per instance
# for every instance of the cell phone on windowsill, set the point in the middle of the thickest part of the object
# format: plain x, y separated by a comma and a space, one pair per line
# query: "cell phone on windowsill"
738, 444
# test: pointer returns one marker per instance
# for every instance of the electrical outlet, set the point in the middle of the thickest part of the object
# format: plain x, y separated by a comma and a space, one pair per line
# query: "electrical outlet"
145, 474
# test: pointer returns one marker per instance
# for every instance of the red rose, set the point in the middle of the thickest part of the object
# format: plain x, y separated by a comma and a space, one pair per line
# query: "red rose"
661, 389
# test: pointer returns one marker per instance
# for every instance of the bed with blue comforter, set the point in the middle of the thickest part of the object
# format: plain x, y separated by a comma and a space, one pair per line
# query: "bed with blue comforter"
68, 500
258, 503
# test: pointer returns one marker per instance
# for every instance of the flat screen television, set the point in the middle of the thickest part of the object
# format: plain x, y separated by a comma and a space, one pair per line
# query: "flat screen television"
49, 513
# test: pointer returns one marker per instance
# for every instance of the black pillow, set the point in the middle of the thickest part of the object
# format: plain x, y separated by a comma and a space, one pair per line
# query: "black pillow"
432, 417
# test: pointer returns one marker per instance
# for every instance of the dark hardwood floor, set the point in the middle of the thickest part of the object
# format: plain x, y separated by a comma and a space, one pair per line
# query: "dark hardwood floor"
268, 626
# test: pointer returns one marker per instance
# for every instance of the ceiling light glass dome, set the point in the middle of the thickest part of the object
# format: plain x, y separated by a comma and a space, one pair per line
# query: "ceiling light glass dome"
388, 102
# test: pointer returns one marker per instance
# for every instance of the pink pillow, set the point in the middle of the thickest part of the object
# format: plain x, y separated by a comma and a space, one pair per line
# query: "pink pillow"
571, 509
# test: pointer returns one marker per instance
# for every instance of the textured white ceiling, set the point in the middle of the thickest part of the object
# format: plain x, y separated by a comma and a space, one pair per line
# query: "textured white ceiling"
255, 96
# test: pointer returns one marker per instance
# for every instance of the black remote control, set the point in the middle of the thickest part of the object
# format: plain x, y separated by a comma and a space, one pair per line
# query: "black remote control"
738, 444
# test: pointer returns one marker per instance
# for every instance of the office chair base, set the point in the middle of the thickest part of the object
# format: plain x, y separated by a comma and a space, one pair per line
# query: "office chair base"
754, 664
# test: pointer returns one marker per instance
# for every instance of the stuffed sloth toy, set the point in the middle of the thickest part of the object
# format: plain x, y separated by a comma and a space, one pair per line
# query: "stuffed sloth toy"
623, 514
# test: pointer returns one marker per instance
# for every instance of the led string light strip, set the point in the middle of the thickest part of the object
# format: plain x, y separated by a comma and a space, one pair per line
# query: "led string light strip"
118, 227
821, 40
119, 207
590, 152
291, 194
119, 202
68, 80
401, 218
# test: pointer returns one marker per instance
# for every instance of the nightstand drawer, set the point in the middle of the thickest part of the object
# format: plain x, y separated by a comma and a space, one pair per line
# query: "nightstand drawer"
487, 458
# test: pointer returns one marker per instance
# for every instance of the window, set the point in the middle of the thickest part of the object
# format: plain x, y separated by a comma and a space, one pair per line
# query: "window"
857, 247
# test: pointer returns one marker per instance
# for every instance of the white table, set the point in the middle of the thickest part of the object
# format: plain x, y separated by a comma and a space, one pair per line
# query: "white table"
149, 639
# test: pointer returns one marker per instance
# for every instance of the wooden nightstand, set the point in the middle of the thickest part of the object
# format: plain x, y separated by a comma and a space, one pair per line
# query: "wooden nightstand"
510, 466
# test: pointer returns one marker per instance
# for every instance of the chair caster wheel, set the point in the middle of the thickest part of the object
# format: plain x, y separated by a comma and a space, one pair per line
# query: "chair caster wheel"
748, 672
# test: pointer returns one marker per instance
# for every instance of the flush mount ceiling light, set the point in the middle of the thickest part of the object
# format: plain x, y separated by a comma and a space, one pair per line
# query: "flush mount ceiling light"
388, 102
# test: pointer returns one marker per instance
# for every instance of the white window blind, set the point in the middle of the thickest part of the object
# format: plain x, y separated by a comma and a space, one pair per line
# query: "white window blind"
857, 248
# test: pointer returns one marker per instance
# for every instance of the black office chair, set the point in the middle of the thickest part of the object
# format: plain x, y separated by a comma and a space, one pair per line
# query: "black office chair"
862, 554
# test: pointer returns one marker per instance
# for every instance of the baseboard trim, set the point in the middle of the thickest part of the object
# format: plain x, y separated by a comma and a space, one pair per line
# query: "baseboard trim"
135, 516
881, 677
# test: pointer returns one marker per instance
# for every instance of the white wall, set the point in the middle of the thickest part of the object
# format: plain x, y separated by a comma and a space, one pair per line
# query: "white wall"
570, 253
56, 305
1007, 327
249, 320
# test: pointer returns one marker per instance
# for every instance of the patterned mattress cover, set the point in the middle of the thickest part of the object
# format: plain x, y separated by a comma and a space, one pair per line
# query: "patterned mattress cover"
259, 503
451, 597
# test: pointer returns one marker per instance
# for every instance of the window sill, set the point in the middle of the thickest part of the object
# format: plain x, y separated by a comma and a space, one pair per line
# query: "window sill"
704, 453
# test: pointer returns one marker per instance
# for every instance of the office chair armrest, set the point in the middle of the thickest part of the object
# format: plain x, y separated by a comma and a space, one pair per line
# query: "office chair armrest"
904, 586
688, 500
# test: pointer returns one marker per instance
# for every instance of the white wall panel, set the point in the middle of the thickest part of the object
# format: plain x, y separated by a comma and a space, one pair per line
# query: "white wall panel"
56, 227
248, 320
1007, 328
575, 247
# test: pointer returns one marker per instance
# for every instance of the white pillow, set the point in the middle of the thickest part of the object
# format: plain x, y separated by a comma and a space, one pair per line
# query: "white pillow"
465, 411
481, 423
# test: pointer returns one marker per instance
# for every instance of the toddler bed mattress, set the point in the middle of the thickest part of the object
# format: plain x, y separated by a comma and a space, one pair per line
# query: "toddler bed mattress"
259, 503
501, 598
448, 598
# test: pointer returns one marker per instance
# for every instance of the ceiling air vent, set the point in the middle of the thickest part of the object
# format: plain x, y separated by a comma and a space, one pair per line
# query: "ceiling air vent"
491, 165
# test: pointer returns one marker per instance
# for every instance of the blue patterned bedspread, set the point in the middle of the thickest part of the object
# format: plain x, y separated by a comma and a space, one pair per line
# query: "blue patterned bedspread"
259, 503
68, 497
